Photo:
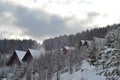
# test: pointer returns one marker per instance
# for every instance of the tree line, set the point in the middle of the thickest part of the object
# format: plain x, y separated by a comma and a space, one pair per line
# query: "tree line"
73, 39
8, 46
53, 63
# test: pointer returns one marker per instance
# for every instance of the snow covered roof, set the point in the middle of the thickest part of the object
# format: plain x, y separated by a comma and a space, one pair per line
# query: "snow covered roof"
20, 54
35, 53
83, 41
69, 48
100, 41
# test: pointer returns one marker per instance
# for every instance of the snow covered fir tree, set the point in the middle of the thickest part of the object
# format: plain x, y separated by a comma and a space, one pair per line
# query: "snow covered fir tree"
68, 57
108, 58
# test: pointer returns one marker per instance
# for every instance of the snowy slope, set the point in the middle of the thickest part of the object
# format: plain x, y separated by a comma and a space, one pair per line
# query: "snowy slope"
87, 72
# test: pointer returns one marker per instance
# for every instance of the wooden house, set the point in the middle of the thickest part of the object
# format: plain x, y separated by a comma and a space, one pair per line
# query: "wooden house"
16, 58
86, 43
31, 54
65, 49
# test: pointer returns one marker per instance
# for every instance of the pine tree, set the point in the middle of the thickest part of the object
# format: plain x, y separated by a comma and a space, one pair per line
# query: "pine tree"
92, 52
109, 59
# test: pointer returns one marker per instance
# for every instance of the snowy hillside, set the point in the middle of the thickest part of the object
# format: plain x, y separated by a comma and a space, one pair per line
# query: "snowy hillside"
106, 68
87, 72
98, 61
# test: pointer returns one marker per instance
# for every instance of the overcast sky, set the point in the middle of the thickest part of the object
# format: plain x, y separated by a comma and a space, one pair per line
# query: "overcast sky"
41, 19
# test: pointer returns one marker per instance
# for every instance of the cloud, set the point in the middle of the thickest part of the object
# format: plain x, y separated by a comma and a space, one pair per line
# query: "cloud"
90, 18
77, 25
39, 23
33, 23
92, 15
22, 22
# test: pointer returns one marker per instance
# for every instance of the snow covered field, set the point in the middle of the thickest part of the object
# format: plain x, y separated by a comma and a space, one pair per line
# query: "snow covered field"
87, 72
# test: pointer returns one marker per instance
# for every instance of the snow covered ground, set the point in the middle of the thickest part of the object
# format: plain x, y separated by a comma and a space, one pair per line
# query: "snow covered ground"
87, 72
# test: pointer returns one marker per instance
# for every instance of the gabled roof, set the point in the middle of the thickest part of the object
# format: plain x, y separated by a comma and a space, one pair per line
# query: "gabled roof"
83, 41
69, 48
20, 54
35, 53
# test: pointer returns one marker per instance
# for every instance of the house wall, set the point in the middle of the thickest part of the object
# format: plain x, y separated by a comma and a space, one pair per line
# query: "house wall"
28, 57
64, 51
13, 60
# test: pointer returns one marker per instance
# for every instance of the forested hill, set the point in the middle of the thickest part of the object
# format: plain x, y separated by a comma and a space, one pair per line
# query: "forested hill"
71, 40
8, 46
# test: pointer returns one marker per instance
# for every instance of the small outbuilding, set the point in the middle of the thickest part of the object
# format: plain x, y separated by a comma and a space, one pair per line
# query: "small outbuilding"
65, 49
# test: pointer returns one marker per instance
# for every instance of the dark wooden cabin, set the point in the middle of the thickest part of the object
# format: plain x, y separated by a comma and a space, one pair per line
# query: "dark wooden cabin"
65, 49
31, 54
86, 43
28, 57
16, 58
